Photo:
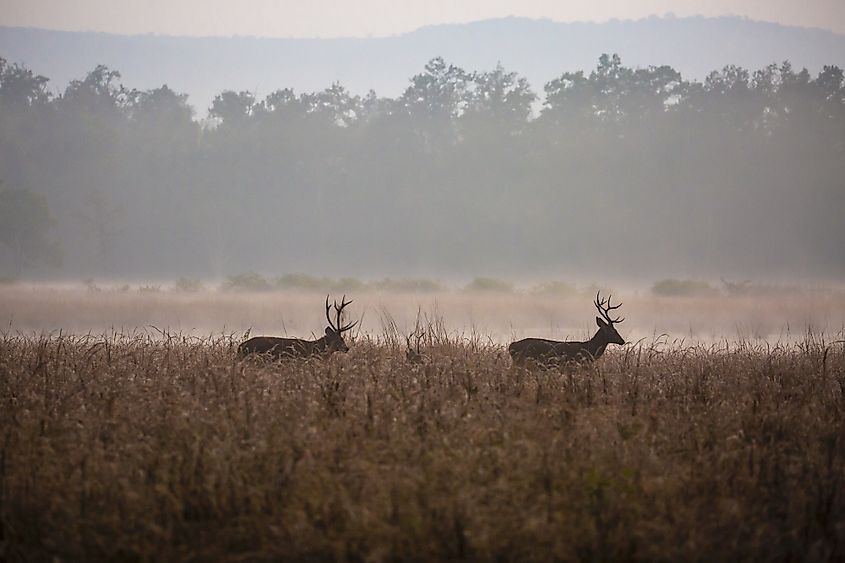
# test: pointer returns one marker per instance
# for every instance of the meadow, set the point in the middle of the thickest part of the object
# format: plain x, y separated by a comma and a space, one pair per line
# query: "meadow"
717, 433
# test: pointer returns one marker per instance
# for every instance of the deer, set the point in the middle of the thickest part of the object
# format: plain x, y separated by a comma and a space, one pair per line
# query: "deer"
287, 348
544, 351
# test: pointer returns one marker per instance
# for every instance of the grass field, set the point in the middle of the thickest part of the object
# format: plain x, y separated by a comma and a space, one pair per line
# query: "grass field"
158, 445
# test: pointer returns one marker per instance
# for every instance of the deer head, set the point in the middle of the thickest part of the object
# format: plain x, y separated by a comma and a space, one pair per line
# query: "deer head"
605, 323
335, 330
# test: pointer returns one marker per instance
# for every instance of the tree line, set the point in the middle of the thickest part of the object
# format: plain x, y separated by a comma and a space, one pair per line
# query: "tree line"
618, 170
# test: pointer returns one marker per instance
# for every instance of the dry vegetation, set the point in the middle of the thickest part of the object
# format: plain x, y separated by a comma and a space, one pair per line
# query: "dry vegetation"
169, 448
157, 444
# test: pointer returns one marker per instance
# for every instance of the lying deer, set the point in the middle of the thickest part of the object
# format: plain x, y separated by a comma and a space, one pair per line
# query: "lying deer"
279, 348
553, 351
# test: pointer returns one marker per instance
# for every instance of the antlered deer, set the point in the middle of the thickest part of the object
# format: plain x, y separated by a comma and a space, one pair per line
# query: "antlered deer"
279, 348
552, 351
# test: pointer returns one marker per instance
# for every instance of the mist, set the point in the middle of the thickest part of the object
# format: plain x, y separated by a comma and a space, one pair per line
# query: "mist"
612, 172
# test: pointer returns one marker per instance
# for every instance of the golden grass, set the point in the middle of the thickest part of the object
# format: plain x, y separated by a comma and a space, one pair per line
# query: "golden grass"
170, 448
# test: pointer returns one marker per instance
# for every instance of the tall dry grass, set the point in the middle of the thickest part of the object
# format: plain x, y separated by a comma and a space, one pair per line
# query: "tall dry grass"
164, 447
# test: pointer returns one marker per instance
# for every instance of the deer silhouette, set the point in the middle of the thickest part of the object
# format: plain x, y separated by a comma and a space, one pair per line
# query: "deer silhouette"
281, 348
543, 351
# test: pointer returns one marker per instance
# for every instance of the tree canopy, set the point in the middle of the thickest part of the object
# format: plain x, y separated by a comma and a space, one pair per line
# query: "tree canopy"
615, 170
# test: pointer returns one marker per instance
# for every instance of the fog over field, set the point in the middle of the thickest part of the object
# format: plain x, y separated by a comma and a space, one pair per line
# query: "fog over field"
610, 173
498, 317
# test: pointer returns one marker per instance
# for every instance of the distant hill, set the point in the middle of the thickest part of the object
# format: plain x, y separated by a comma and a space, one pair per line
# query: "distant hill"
537, 49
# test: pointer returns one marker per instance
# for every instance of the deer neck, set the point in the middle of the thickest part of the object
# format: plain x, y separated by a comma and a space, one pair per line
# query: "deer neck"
596, 345
321, 343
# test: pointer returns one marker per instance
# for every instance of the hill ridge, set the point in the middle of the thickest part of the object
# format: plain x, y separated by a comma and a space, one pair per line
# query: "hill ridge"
539, 49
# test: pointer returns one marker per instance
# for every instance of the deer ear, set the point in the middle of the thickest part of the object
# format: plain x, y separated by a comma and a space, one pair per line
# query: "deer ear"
329, 330
601, 323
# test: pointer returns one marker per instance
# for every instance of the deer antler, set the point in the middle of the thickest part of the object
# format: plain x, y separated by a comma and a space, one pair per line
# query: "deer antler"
339, 311
604, 307
328, 317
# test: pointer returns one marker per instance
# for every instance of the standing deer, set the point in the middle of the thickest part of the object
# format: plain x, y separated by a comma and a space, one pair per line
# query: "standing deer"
553, 351
280, 348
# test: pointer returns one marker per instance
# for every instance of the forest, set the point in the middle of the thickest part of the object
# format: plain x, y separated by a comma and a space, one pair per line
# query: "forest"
613, 171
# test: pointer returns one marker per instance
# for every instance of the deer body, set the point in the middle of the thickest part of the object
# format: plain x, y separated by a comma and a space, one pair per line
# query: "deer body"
279, 348
545, 351
282, 348
540, 350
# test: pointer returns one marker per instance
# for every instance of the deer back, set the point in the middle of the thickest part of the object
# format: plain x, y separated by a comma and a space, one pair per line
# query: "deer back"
545, 351
279, 348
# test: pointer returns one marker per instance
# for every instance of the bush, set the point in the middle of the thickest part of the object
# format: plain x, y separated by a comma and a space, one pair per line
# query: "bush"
489, 284
683, 288
314, 283
149, 288
411, 285
348, 284
249, 281
188, 285
555, 288
301, 281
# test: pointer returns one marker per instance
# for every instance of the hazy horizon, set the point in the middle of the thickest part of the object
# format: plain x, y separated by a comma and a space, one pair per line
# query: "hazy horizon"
378, 18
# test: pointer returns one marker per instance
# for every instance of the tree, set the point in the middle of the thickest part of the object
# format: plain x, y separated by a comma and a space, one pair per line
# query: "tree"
438, 93
283, 102
21, 88
502, 99
161, 107
102, 219
98, 93
334, 104
232, 107
830, 80
25, 220
612, 94
569, 98
433, 101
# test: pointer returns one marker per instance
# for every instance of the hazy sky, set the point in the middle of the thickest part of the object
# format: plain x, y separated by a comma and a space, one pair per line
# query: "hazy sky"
333, 18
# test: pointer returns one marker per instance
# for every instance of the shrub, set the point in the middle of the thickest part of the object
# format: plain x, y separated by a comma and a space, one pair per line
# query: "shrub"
188, 285
489, 284
555, 288
348, 284
411, 285
683, 288
314, 283
249, 281
91, 286
301, 281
